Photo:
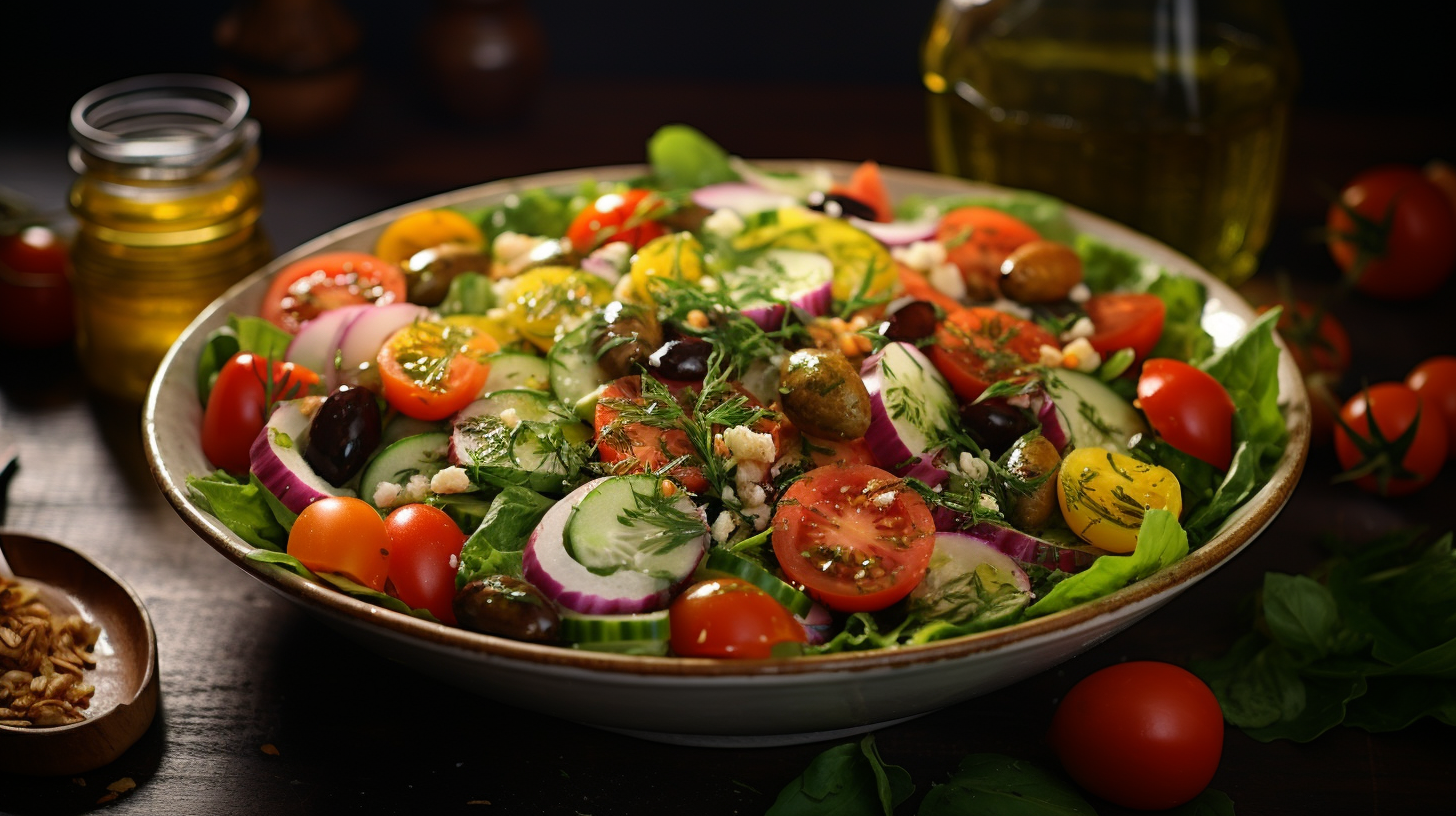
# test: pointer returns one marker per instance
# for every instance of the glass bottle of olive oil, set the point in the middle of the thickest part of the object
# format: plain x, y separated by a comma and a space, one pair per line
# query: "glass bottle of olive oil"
1166, 115
167, 213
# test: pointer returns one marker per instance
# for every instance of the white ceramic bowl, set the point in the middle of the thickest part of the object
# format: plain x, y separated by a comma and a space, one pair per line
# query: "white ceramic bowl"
700, 701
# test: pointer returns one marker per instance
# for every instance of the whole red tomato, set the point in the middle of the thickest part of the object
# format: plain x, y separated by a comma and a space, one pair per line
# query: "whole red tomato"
35, 296
1402, 451
627, 216
1435, 381
1188, 408
1141, 735
424, 553
1394, 232
729, 617
247, 387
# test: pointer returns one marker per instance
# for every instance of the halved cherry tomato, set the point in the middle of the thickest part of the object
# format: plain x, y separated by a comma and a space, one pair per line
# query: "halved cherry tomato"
424, 548
1125, 320
1317, 340
239, 404
855, 537
342, 535
1392, 458
303, 289
1394, 232
978, 346
729, 617
1188, 408
866, 186
626, 216
1435, 381
977, 240
431, 369
423, 230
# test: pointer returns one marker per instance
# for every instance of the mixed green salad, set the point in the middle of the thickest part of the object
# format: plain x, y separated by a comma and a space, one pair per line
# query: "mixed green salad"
723, 411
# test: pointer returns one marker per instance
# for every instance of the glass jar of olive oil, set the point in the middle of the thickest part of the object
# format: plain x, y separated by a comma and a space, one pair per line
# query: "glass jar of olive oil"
167, 211
1166, 115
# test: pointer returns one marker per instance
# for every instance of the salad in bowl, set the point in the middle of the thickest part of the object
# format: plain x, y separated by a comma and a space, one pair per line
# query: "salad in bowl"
715, 419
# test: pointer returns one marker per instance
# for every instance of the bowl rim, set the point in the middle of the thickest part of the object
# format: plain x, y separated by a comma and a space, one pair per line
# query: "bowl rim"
1247, 522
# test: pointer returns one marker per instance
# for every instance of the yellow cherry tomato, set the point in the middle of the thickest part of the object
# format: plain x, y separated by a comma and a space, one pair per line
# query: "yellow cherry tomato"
546, 302
677, 255
862, 265
424, 230
1104, 496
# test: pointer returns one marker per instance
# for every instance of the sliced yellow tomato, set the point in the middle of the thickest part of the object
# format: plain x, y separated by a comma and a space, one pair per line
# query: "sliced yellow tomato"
496, 326
862, 265
1104, 496
548, 301
424, 230
678, 256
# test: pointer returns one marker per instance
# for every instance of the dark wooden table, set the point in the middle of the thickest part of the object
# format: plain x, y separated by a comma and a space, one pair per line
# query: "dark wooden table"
245, 672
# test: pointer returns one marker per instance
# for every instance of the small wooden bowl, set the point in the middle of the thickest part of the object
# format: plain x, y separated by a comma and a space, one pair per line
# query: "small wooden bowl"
125, 676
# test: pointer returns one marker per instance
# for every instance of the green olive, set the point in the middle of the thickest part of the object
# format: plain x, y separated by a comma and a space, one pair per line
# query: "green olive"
430, 271
630, 336
1032, 458
823, 394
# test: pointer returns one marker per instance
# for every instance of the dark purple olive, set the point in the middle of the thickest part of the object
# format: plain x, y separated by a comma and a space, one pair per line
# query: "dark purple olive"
508, 607
680, 360
995, 425
343, 434
911, 322
840, 206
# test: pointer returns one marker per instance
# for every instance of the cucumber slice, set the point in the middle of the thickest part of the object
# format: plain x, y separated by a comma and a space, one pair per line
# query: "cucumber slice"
721, 560
400, 426
1092, 413
625, 523
643, 633
520, 436
574, 372
423, 454
517, 369
911, 405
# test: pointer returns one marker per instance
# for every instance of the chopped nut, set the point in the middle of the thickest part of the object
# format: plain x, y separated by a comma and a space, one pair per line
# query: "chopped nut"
270, 749
41, 661
122, 785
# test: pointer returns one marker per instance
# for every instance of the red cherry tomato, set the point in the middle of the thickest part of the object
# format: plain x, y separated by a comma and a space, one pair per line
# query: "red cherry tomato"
424, 553
729, 617
627, 216
854, 536
1435, 381
1394, 232
1141, 735
247, 387
342, 535
1125, 320
1189, 409
977, 240
35, 296
303, 289
1390, 465
977, 346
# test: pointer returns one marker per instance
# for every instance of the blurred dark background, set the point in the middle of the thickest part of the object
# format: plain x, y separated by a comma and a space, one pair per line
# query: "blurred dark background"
1355, 56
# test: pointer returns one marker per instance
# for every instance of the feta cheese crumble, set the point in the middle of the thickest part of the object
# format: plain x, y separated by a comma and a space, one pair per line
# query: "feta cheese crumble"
724, 223
450, 480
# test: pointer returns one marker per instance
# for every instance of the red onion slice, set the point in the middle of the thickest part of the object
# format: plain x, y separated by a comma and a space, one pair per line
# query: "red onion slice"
276, 457
897, 233
744, 199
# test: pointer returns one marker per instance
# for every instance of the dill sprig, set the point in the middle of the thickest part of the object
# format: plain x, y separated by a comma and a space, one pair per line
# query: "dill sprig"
670, 526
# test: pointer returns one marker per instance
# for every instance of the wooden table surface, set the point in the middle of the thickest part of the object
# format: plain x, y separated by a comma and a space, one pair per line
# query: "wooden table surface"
242, 669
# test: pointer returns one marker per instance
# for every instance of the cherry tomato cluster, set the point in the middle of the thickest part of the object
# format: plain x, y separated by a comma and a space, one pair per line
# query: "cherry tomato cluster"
1393, 438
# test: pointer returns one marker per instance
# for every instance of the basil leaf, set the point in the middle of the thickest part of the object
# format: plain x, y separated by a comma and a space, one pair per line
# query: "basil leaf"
846, 780
260, 337
1249, 371
992, 783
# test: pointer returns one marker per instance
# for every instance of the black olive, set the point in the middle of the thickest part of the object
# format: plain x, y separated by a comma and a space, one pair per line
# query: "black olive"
911, 322
343, 434
506, 606
631, 335
680, 360
840, 206
995, 425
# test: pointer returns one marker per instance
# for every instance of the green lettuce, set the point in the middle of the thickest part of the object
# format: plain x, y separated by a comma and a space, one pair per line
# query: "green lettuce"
244, 506
683, 158
1249, 371
495, 546
1160, 543
1184, 337
242, 333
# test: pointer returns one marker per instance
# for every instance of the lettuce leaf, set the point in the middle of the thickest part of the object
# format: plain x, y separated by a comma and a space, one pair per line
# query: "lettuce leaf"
242, 506
495, 546
682, 158
1106, 268
1183, 335
1249, 371
242, 333
1160, 543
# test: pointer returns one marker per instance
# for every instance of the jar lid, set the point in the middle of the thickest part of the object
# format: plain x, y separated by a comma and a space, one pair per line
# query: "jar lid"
166, 120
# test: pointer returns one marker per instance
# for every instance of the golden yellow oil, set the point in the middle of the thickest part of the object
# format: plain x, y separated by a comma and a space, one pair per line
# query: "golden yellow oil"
147, 259
1091, 105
